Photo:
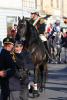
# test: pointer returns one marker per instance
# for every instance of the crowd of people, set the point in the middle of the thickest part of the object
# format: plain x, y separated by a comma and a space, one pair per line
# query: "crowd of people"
16, 61
52, 35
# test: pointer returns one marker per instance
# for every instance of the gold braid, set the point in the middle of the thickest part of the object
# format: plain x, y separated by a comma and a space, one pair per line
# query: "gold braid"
13, 56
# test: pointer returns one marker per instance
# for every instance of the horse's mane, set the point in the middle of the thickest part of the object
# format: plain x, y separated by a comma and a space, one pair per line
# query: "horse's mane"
34, 38
32, 33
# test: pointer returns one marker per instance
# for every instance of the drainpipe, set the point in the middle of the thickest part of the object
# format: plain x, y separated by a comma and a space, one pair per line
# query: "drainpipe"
62, 8
42, 5
35, 4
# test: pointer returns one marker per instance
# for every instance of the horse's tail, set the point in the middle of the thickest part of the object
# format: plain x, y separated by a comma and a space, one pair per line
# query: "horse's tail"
48, 54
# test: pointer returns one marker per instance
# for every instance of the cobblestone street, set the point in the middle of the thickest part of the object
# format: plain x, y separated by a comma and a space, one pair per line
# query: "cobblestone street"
56, 86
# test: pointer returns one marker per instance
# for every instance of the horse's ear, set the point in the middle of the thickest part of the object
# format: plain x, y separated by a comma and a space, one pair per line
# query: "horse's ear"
23, 18
19, 18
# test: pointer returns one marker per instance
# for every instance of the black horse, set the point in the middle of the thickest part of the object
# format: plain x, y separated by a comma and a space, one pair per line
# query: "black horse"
27, 31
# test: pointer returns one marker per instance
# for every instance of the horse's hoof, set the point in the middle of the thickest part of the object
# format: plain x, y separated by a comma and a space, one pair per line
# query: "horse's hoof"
38, 95
31, 95
41, 90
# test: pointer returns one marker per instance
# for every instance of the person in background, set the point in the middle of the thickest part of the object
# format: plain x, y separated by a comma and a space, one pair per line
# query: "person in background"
57, 27
15, 27
64, 44
7, 67
13, 34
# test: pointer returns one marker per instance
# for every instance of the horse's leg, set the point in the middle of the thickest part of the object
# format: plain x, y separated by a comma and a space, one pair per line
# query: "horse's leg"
52, 52
37, 76
65, 55
34, 86
58, 54
46, 72
44, 76
37, 73
50, 49
60, 57
41, 68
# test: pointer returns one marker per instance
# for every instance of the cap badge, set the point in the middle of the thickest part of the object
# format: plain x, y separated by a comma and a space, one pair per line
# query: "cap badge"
7, 40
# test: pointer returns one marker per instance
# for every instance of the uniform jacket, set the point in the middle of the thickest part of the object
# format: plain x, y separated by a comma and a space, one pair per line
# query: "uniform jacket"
6, 63
23, 60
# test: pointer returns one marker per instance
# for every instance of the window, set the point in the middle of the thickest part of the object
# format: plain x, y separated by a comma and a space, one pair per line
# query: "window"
28, 4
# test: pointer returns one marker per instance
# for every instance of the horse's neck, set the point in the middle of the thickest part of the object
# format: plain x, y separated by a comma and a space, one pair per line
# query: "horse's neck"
32, 34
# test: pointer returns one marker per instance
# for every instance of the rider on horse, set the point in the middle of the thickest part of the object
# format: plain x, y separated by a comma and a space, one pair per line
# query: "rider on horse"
40, 25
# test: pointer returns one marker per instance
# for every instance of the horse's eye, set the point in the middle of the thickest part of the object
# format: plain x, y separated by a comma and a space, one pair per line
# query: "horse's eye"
21, 25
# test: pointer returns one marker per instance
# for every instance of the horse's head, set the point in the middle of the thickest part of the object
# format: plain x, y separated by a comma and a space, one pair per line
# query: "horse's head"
27, 31
22, 27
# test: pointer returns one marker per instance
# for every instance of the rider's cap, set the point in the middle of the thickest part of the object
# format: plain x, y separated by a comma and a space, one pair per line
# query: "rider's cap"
35, 12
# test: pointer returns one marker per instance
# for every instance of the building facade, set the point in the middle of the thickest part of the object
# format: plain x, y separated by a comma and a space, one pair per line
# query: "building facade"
53, 6
11, 9
29, 5
9, 12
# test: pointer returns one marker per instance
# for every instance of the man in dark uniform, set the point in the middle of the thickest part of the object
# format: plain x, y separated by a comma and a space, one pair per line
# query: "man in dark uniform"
24, 64
7, 67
